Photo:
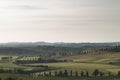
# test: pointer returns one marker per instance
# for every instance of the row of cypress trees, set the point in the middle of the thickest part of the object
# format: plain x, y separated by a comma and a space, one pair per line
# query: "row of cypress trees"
65, 73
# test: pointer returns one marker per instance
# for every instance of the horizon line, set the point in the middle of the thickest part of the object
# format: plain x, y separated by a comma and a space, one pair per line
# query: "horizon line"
58, 42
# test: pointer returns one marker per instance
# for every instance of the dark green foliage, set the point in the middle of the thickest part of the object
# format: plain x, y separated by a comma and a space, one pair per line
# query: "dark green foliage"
118, 73
96, 72
12, 78
82, 73
49, 74
65, 73
87, 74
101, 74
40, 50
109, 74
56, 73
60, 73
76, 73
111, 49
71, 73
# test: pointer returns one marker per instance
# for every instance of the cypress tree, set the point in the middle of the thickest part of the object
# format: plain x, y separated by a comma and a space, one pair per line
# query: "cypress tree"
76, 73
60, 73
96, 72
55, 73
71, 73
87, 74
118, 73
65, 73
50, 73
109, 73
82, 73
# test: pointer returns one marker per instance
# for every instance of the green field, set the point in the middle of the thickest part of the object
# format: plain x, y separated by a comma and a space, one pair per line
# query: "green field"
87, 62
85, 67
24, 77
102, 57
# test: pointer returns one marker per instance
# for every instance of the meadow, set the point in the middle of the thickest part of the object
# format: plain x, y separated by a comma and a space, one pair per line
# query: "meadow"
86, 62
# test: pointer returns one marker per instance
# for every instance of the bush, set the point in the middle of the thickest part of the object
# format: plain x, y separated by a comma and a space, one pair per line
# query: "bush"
96, 72
12, 78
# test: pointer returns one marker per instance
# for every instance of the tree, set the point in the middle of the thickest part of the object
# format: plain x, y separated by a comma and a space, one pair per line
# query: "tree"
87, 74
55, 73
71, 73
44, 73
76, 73
109, 73
118, 73
101, 73
82, 73
65, 73
60, 73
50, 73
2, 71
96, 72
12, 78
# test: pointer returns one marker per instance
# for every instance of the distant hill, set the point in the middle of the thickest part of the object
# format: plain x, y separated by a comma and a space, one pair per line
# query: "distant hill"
45, 48
31, 44
39, 50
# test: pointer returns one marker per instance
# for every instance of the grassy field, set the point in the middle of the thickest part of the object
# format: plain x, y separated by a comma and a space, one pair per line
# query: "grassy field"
103, 57
88, 62
25, 77
79, 78
85, 67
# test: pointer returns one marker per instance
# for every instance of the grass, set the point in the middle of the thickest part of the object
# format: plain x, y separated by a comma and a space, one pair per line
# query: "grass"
25, 77
103, 57
84, 67
9, 64
87, 62
80, 78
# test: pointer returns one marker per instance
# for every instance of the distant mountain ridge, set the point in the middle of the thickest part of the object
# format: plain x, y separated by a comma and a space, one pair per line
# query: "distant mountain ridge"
33, 44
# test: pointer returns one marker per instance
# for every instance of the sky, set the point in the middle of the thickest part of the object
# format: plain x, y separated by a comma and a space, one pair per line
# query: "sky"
59, 20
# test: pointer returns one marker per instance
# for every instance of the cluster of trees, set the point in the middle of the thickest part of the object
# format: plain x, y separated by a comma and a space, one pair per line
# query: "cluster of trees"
26, 72
7, 58
41, 50
111, 49
66, 73
40, 61
61, 73
37, 59
16, 70
102, 49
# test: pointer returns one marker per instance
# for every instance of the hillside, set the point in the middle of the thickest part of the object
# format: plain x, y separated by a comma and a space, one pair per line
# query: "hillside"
40, 50
100, 57
56, 49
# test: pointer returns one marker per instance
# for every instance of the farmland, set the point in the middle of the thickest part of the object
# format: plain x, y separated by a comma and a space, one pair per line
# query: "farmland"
84, 63
88, 64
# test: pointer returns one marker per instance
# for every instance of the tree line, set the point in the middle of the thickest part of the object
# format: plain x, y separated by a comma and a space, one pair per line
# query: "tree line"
66, 73
62, 73
111, 49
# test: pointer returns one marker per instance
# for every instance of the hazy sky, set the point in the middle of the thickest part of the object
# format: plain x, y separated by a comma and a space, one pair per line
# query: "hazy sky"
60, 20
